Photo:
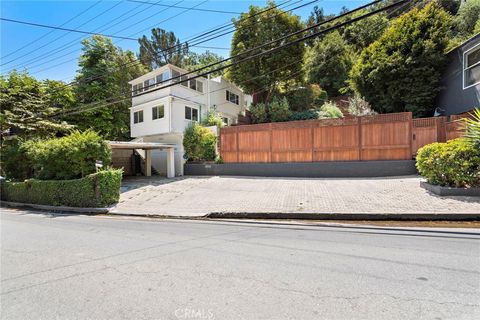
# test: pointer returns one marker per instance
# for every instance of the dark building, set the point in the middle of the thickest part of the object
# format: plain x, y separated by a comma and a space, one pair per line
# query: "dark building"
461, 79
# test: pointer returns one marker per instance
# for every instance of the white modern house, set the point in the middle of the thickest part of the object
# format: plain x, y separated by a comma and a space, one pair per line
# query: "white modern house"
161, 116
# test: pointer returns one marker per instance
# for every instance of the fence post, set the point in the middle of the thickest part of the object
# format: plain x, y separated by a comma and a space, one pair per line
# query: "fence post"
312, 132
359, 126
271, 136
410, 134
237, 145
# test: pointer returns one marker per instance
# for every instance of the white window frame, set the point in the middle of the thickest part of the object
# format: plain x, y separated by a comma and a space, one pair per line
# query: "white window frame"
227, 97
465, 68
159, 107
138, 117
191, 113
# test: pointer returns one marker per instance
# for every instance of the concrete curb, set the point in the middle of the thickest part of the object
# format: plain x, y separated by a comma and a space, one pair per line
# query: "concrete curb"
350, 216
449, 191
55, 208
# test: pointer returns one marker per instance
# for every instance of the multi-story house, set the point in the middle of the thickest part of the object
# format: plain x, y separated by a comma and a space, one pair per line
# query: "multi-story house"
161, 115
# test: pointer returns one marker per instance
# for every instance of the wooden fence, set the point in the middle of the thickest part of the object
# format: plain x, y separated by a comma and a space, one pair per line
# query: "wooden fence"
379, 137
394, 136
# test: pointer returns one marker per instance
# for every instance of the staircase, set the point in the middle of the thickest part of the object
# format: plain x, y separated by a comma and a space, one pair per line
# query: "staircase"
141, 153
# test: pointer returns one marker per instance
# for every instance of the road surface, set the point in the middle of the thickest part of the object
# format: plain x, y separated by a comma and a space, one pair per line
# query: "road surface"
79, 267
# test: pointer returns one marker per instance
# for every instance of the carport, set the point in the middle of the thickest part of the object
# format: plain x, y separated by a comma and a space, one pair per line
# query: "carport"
146, 148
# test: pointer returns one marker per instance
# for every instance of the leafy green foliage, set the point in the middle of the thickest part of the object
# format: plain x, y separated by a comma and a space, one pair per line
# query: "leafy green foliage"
357, 106
401, 71
467, 17
195, 60
473, 128
305, 115
199, 143
69, 157
364, 32
212, 118
330, 110
250, 33
96, 190
307, 97
29, 106
104, 73
279, 110
16, 165
259, 113
328, 63
153, 53
455, 163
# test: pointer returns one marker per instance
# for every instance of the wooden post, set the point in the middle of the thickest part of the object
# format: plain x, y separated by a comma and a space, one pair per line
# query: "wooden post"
359, 125
271, 135
410, 134
237, 145
312, 128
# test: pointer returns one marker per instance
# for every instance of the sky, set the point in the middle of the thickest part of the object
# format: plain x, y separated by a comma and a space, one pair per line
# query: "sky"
54, 54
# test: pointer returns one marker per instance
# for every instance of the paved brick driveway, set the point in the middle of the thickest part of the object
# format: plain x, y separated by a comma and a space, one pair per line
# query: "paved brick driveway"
198, 196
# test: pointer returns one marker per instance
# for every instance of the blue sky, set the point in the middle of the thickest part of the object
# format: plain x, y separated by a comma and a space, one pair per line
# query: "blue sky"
55, 55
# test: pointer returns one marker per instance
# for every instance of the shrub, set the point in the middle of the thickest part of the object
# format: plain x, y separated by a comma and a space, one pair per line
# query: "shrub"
357, 106
307, 97
279, 110
15, 163
455, 163
96, 190
473, 128
212, 119
330, 110
258, 113
305, 115
199, 143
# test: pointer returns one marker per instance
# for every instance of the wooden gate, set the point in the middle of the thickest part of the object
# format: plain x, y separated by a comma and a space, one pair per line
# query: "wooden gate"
426, 131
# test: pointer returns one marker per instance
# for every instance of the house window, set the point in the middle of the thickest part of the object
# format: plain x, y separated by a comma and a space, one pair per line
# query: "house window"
140, 87
471, 67
158, 112
184, 80
191, 114
134, 90
225, 120
233, 98
175, 75
138, 116
199, 86
193, 84
148, 84
159, 78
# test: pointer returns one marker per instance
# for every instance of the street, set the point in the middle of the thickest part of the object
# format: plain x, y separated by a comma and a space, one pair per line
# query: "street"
98, 267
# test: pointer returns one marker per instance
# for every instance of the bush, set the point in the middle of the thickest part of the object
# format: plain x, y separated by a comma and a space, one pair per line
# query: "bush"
96, 190
357, 106
330, 110
70, 157
305, 115
212, 119
473, 128
279, 110
199, 143
307, 97
455, 163
258, 113
15, 163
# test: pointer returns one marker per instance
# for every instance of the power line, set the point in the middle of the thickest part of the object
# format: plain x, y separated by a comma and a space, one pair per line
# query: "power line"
50, 42
179, 7
52, 31
186, 42
310, 36
64, 29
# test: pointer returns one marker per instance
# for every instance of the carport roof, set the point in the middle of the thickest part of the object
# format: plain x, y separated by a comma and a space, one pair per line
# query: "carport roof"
140, 145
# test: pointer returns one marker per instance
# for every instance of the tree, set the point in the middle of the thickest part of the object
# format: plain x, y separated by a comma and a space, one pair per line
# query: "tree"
29, 106
328, 63
162, 48
362, 33
195, 60
250, 33
468, 15
401, 70
103, 76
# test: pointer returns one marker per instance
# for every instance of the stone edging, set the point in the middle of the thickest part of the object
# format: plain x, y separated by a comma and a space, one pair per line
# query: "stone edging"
449, 191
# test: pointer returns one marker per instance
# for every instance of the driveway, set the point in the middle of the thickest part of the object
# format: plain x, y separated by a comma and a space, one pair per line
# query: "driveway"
198, 196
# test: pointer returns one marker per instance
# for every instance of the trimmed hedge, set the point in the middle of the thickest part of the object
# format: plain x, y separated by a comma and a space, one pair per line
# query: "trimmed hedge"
96, 190
455, 163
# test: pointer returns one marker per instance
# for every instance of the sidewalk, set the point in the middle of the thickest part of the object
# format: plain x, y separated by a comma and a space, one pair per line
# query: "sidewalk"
256, 197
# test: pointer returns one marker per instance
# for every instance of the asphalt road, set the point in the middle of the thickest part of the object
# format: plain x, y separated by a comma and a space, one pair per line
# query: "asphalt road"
78, 267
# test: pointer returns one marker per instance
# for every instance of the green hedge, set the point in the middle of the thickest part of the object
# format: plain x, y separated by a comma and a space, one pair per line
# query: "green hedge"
455, 163
96, 190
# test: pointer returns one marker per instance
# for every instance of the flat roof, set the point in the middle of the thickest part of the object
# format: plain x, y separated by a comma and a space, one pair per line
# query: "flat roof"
140, 145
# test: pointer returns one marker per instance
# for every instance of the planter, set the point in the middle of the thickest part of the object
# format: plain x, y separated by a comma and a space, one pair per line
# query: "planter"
450, 191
